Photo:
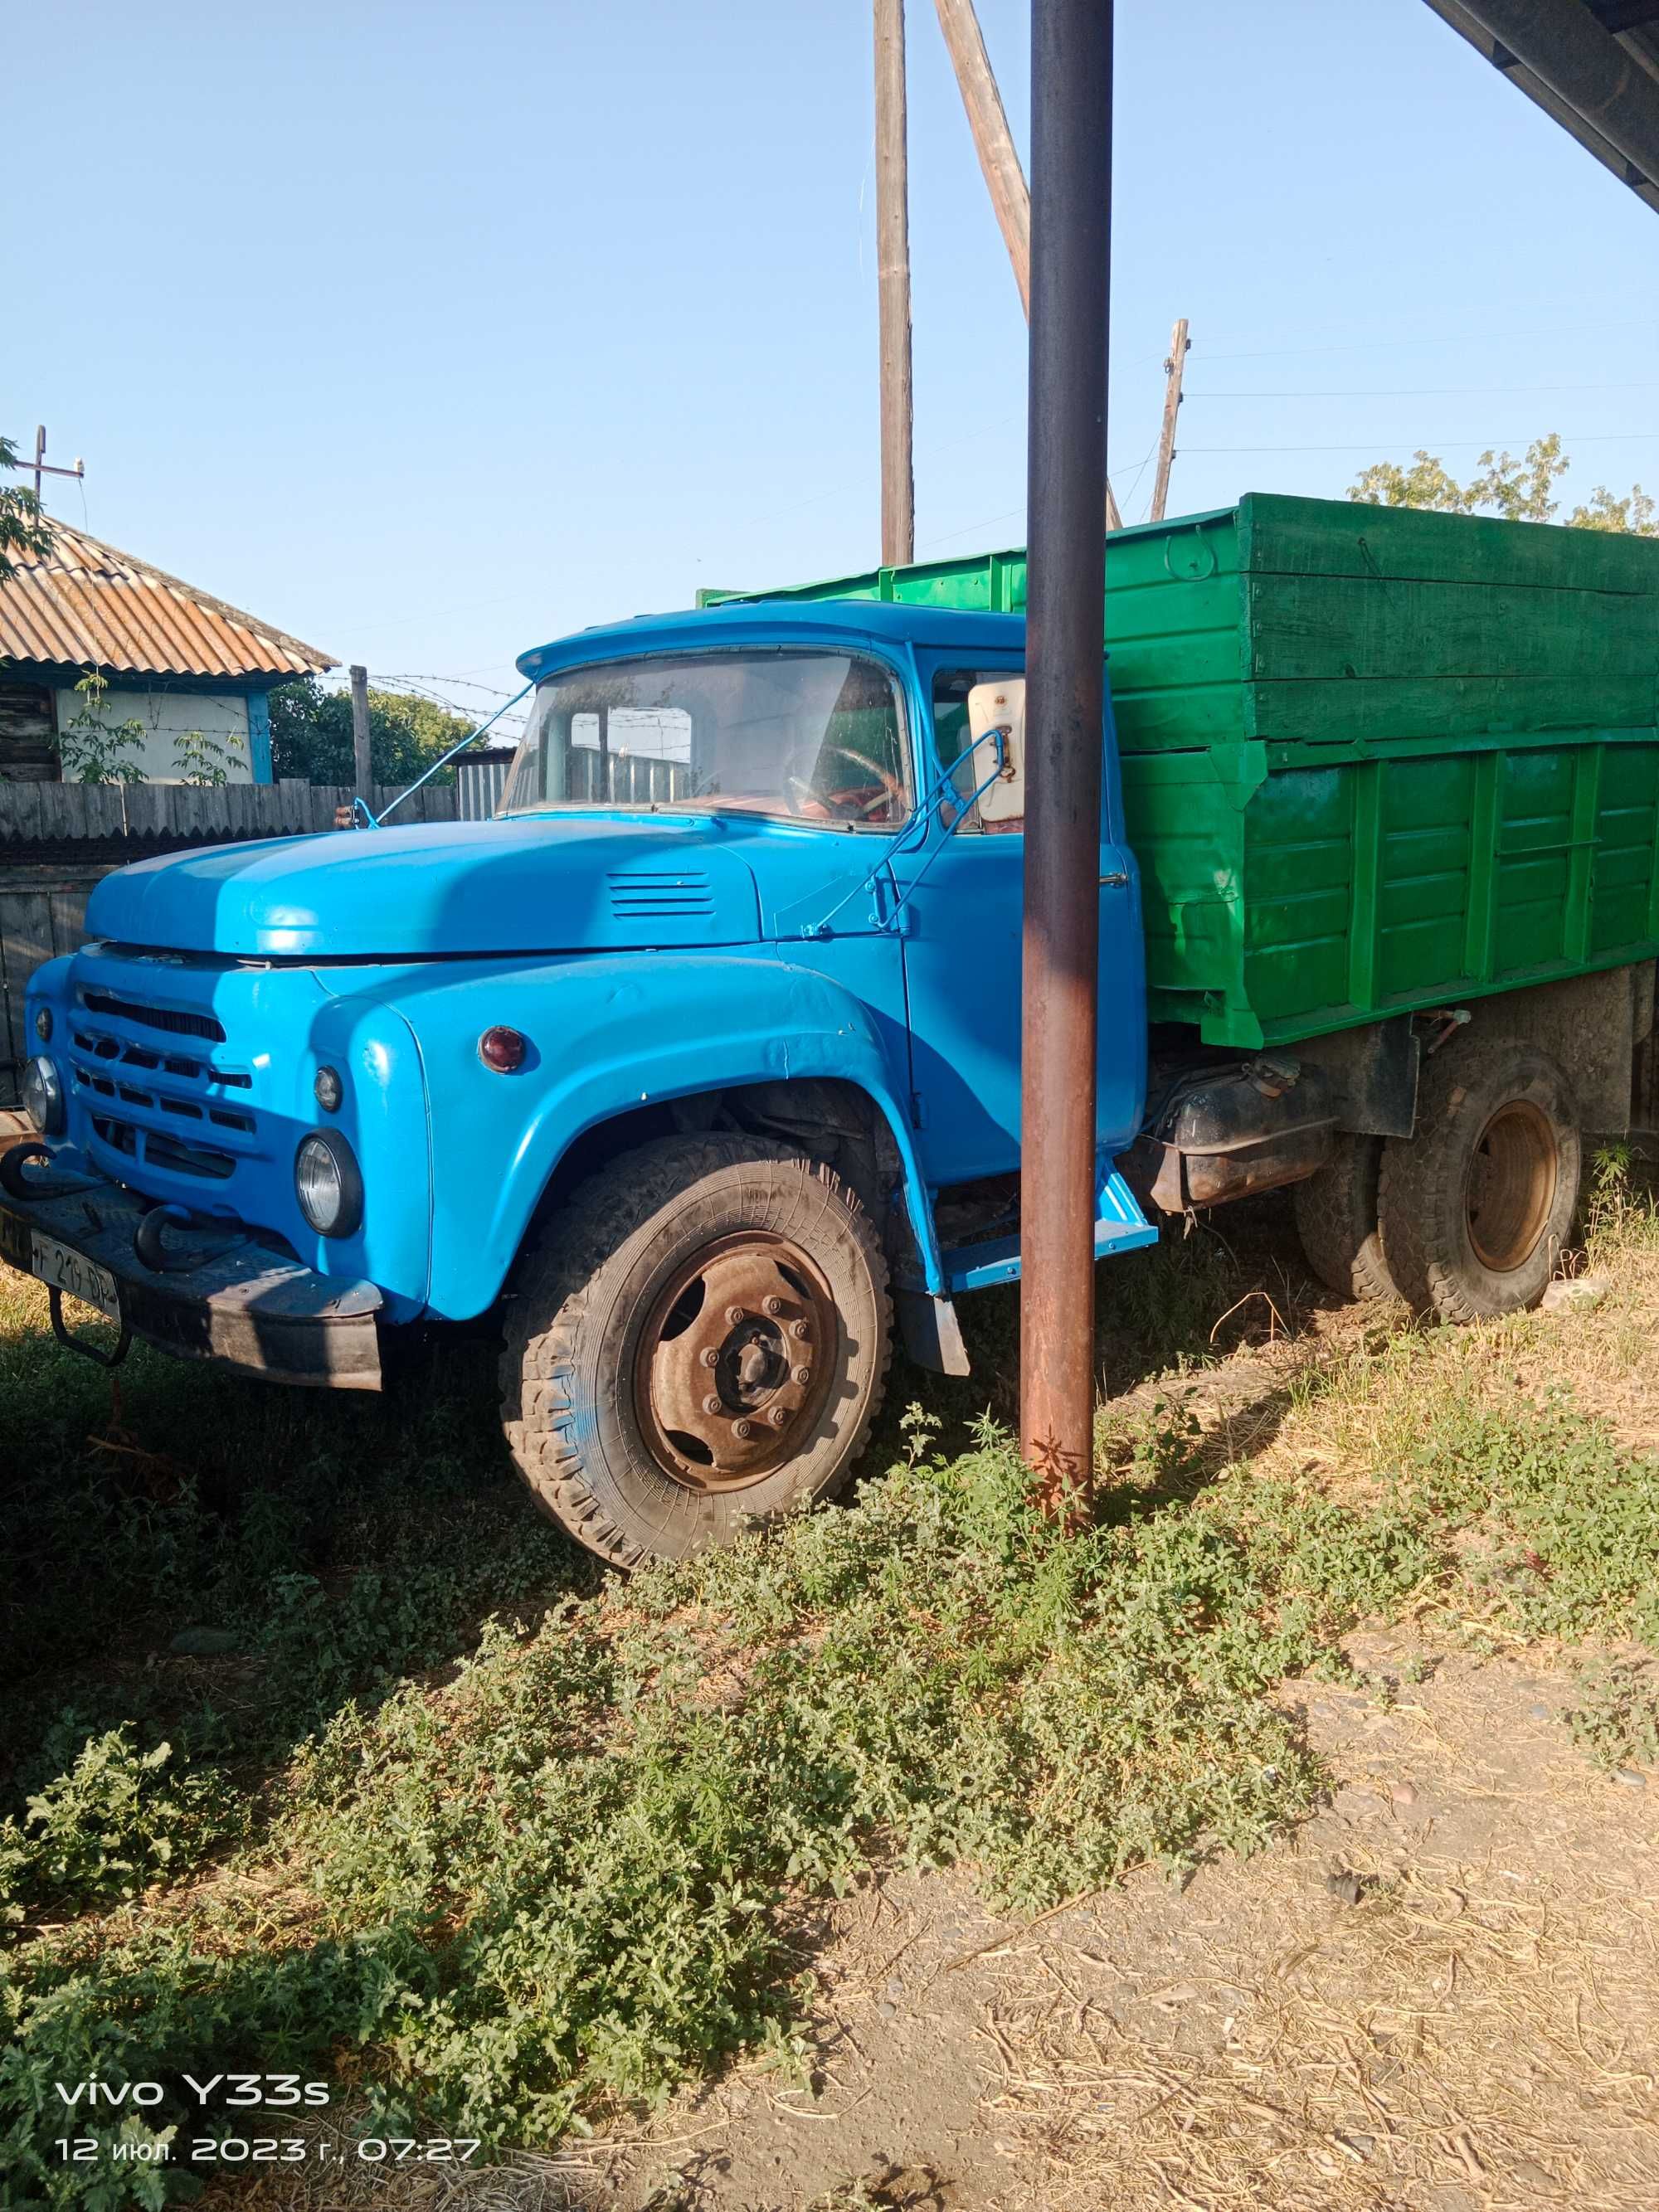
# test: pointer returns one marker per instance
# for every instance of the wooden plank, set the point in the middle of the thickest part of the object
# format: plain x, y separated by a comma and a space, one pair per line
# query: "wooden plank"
25, 942
69, 918
1363, 921
1483, 868
1581, 874
1281, 535
1356, 628
292, 807
148, 812
1442, 709
19, 812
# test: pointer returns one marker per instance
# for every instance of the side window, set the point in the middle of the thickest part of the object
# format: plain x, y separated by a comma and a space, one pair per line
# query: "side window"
952, 736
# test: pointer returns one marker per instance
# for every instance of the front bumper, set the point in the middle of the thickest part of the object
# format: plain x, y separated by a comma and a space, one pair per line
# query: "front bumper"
223, 1295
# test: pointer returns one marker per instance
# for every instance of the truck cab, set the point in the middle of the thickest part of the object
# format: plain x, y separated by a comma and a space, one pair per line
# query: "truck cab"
689, 1065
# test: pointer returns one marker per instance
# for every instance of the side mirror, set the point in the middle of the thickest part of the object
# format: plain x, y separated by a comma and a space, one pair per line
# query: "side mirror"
1000, 705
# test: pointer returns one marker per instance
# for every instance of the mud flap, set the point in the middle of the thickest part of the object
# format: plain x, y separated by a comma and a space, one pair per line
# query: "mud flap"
931, 1333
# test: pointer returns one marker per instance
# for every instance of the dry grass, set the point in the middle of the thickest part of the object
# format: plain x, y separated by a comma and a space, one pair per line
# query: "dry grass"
1440, 2033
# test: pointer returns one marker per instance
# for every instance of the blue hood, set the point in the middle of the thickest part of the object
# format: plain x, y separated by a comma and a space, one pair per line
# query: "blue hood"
540, 884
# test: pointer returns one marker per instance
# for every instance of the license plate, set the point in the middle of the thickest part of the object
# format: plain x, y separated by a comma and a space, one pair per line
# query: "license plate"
73, 1273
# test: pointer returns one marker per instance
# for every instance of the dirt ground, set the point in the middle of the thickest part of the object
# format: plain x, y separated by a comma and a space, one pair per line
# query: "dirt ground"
1441, 1996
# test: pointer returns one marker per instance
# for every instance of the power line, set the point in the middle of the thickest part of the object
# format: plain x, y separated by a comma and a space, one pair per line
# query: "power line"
1377, 345
1451, 444
1427, 391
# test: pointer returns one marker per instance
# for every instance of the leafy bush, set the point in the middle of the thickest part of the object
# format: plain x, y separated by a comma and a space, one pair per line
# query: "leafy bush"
311, 733
112, 1824
1616, 1719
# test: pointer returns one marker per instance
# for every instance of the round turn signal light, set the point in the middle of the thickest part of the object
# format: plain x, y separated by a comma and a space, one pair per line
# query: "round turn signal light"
502, 1048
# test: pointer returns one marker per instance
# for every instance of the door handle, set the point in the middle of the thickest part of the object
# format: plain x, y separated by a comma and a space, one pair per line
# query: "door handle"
1118, 877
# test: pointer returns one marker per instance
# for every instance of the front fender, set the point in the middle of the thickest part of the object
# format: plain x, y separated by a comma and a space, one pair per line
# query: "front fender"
607, 1034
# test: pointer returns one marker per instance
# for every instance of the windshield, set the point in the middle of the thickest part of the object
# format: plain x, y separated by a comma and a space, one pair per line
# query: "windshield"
817, 737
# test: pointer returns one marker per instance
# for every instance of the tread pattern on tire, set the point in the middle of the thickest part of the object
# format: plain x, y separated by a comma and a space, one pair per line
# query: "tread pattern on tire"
552, 1291
1336, 1218
1417, 1201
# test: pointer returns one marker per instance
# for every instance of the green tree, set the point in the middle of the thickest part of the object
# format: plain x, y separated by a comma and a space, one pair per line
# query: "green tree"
311, 733
1518, 490
93, 748
199, 758
23, 525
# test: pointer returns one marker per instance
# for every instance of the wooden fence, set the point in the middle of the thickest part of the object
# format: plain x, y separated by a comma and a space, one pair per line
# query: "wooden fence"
57, 841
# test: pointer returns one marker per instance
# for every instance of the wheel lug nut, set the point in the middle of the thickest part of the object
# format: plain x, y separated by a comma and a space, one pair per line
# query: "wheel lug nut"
774, 1306
711, 1404
778, 1417
734, 1315
711, 1358
800, 1331
743, 1429
803, 1376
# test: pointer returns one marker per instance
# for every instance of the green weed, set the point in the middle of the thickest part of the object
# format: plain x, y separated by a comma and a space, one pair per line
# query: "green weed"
546, 1843
1615, 1720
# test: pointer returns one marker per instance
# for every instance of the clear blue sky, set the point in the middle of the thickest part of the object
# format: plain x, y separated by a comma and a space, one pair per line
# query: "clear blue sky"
432, 331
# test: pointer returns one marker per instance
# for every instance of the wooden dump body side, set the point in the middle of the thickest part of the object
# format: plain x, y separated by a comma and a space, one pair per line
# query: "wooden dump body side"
1373, 758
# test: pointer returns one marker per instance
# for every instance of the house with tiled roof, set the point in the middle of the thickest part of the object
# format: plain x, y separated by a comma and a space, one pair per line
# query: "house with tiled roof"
175, 659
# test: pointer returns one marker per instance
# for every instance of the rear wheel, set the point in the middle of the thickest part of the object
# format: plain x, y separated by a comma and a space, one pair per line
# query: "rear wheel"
1336, 1218
1477, 1206
701, 1340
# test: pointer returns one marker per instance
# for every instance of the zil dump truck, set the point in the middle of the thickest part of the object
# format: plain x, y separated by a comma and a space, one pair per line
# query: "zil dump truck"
698, 1066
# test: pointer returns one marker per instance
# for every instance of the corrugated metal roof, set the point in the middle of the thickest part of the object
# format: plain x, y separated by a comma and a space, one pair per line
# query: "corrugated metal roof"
1630, 24
87, 603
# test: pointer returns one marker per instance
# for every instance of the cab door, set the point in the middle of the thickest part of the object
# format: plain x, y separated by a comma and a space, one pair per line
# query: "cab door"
960, 917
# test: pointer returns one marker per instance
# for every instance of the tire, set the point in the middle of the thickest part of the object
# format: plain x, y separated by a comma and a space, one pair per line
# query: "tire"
608, 1385
1477, 1206
1336, 1218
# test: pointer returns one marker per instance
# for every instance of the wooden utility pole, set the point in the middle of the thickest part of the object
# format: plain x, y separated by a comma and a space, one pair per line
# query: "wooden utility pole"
1166, 438
993, 139
898, 490
362, 770
998, 158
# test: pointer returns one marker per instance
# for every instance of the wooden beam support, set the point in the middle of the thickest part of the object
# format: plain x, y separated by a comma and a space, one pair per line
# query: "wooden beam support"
999, 157
898, 491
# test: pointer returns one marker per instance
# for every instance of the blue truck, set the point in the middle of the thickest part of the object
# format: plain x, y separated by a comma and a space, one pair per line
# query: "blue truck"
698, 1067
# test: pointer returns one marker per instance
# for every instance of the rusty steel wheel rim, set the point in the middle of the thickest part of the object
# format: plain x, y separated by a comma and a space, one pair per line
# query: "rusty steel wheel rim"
1510, 1188
735, 1360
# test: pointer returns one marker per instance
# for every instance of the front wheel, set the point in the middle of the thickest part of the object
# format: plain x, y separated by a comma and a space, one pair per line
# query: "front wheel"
700, 1340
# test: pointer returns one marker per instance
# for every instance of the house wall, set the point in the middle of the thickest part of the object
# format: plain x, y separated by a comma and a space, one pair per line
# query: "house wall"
165, 715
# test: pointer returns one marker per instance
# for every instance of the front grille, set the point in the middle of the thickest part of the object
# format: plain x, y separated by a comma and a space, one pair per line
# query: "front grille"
154, 1017
157, 1104
188, 1160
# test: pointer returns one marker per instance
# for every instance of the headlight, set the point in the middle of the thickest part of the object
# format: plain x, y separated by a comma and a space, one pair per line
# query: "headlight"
43, 1096
328, 1184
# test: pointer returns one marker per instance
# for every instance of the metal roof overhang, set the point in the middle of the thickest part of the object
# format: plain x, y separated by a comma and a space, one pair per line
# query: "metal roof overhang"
1591, 64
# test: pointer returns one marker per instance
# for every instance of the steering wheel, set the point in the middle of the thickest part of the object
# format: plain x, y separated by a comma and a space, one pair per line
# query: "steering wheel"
889, 791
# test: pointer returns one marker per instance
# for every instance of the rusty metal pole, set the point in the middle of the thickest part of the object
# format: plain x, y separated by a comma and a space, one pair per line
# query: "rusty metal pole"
898, 494
1071, 244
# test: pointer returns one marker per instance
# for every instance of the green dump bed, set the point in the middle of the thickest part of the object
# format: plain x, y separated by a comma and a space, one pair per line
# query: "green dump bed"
1373, 758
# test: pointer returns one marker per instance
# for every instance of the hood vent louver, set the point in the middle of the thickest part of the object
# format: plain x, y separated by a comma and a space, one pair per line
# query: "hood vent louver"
647, 894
